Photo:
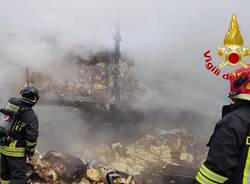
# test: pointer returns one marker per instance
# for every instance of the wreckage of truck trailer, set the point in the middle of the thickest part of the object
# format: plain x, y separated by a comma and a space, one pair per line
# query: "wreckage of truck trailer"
62, 168
160, 157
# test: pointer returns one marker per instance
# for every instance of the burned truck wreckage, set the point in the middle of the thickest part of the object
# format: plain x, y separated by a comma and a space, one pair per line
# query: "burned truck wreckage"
110, 92
91, 86
160, 157
102, 85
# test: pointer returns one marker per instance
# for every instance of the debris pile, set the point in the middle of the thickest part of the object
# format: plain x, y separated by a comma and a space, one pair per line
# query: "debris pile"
155, 150
147, 160
57, 167
62, 168
89, 78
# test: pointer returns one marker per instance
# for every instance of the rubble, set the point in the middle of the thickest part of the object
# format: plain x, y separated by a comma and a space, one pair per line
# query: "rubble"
175, 146
61, 168
91, 81
89, 78
148, 159
58, 167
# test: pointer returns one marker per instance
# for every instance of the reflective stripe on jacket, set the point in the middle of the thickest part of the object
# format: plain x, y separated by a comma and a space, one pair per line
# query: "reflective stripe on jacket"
4, 181
207, 176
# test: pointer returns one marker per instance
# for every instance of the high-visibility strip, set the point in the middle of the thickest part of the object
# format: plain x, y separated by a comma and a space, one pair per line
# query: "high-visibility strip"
203, 180
15, 152
29, 100
12, 149
21, 127
212, 175
246, 174
4, 181
11, 154
248, 140
7, 153
31, 143
13, 144
17, 126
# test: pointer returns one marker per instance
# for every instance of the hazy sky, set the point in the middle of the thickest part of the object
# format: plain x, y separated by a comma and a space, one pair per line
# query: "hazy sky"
166, 39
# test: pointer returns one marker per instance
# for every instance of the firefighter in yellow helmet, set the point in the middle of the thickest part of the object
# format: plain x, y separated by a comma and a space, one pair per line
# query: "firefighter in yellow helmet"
228, 159
18, 134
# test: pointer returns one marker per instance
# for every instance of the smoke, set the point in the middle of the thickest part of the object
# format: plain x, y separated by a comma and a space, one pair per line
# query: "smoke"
65, 128
165, 38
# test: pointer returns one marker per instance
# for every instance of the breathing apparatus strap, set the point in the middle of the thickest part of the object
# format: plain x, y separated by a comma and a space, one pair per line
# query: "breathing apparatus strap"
11, 133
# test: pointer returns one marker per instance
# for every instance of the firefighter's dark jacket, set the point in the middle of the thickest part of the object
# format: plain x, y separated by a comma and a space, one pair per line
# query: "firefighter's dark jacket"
228, 159
22, 138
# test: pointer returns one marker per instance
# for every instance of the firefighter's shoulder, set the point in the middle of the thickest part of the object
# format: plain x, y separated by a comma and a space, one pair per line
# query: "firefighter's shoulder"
236, 120
233, 124
29, 115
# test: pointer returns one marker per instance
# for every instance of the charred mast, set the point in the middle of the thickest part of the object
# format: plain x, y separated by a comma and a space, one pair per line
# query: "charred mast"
27, 76
116, 90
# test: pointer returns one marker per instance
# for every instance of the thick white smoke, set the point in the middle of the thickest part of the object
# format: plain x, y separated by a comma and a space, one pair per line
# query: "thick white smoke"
166, 39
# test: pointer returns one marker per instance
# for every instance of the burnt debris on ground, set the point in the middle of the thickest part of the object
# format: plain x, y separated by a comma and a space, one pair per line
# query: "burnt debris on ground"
163, 155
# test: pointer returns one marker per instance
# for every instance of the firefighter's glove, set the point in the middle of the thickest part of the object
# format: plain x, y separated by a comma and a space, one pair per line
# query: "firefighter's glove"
30, 153
30, 149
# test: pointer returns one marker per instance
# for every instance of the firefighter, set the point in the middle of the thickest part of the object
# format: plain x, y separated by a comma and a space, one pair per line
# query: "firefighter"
19, 143
228, 159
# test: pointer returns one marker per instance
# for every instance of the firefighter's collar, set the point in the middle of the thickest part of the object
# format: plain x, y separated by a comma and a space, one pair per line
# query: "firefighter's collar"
242, 96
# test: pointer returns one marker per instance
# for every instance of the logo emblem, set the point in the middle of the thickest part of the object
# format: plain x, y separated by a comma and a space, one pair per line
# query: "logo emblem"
233, 54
